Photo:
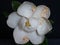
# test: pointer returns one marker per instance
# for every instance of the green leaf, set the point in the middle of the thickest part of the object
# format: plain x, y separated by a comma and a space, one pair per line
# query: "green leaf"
5, 13
15, 5
51, 21
29, 43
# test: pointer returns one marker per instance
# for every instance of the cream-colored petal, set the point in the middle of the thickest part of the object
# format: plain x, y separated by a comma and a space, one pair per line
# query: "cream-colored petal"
44, 26
26, 9
42, 11
20, 36
35, 39
13, 20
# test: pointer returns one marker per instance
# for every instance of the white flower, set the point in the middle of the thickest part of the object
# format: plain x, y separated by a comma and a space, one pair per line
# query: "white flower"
30, 23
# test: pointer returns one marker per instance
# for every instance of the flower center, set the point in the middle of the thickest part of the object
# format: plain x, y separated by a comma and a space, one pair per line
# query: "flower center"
27, 24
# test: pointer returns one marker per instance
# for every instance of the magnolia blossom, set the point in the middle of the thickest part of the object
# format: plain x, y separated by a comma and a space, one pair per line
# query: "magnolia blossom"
30, 23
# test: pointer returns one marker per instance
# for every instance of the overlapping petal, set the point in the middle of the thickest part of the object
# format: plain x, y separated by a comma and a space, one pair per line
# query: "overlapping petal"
26, 9
42, 11
13, 20
20, 36
44, 26
34, 22
35, 39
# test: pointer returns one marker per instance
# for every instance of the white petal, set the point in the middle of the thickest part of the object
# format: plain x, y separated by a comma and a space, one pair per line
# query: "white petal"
13, 19
26, 9
20, 36
22, 24
35, 39
42, 11
34, 22
44, 26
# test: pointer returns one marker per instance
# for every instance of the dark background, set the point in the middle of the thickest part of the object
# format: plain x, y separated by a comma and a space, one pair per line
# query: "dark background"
54, 5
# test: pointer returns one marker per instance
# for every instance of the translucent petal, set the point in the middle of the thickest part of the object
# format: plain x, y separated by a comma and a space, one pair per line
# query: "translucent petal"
13, 20
42, 11
26, 9
20, 36
35, 39
44, 26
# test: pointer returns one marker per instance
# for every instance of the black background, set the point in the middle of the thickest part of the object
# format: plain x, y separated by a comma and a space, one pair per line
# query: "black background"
54, 5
